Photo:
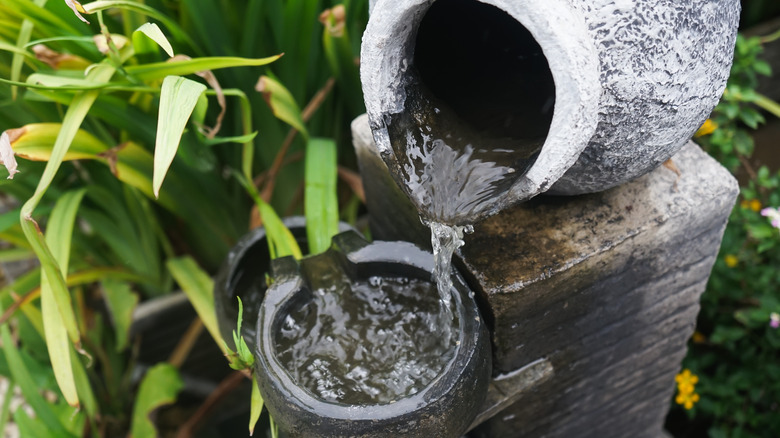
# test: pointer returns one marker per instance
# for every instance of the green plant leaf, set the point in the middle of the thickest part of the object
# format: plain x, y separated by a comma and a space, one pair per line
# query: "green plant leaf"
58, 239
199, 287
235, 139
15, 50
83, 385
159, 387
15, 254
154, 33
29, 427
55, 302
6, 409
177, 100
34, 142
158, 70
242, 358
59, 231
274, 428
338, 51
56, 81
172, 26
282, 103
121, 303
256, 406
281, 242
24, 36
22, 378
320, 201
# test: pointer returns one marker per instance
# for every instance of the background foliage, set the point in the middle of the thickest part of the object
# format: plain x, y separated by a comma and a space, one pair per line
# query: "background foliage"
148, 140
735, 351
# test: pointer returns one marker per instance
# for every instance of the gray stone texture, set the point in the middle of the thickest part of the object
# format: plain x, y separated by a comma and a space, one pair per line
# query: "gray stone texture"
604, 286
634, 79
664, 65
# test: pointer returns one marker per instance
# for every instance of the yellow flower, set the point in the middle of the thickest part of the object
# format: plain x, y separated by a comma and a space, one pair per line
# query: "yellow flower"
731, 260
687, 399
698, 338
686, 376
755, 205
685, 381
707, 128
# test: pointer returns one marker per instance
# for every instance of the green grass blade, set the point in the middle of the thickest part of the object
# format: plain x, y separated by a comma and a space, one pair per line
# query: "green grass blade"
159, 70
15, 255
338, 51
121, 303
35, 142
58, 239
56, 301
153, 32
159, 387
282, 103
83, 385
281, 242
16, 51
256, 406
55, 82
22, 377
60, 227
6, 409
768, 104
177, 100
57, 343
199, 288
320, 201
172, 26
29, 427
18, 60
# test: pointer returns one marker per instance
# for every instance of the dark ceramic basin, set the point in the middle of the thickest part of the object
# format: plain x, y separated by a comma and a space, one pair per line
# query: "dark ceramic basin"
445, 407
243, 275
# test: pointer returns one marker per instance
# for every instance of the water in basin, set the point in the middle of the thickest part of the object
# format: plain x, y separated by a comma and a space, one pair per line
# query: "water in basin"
364, 342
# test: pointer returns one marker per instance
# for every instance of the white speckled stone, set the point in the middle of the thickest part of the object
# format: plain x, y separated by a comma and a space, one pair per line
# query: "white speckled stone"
663, 67
634, 80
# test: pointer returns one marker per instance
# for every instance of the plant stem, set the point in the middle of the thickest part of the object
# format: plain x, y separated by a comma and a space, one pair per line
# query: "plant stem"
306, 114
774, 36
225, 387
186, 343
768, 104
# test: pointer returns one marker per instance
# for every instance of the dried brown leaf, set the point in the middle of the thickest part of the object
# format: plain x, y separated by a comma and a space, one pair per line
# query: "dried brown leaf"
57, 60
7, 157
76, 7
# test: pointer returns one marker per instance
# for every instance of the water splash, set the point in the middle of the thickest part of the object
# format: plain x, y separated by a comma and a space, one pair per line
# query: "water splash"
453, 173
445, 239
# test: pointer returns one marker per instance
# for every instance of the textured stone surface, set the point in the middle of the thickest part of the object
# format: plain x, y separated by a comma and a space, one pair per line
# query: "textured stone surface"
634, 80
606, 287
664, 65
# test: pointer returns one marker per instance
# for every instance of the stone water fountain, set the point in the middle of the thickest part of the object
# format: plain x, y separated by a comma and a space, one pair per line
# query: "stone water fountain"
474, 108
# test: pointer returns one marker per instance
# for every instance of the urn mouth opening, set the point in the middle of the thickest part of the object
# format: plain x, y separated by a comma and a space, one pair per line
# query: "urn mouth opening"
542, 47
487, 67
